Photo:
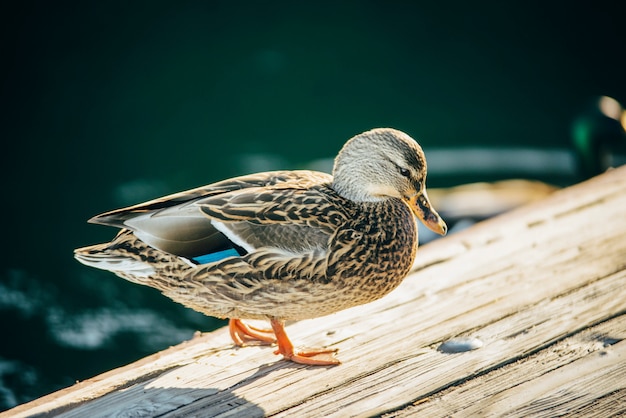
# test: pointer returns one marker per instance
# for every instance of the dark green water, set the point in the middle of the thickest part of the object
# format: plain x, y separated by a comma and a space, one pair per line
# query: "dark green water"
105, 104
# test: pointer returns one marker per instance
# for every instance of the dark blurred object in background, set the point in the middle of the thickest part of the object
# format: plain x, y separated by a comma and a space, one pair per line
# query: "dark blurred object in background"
599, 136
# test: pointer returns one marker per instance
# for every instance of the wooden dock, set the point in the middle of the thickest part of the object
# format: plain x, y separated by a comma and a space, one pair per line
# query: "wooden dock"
543, 288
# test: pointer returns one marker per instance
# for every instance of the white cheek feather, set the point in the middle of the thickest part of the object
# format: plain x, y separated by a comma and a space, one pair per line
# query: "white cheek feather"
220, 226
378, 191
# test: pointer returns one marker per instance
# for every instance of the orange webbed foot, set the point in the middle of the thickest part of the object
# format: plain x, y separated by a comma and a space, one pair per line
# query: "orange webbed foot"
242, 333
310, 356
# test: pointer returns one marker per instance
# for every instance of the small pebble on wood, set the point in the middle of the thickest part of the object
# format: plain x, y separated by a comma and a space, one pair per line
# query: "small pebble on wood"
460, 345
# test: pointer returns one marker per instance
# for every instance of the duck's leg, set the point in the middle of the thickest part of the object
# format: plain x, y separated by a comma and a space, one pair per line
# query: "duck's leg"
241, 332
312, 356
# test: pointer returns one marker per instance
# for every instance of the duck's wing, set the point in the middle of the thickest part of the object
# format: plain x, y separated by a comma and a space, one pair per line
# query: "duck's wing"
179, 224
291, 219
301, 179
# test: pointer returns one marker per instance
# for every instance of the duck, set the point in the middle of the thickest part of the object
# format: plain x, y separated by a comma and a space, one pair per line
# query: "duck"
282, 245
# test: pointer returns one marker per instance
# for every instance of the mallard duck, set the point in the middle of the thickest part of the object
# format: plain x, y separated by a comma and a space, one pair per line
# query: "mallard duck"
281, 245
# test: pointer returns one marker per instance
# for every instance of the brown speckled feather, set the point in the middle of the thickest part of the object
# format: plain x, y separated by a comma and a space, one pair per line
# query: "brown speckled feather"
342, 268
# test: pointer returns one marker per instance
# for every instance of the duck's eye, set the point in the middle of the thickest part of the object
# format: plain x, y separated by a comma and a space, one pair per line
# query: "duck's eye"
405, 172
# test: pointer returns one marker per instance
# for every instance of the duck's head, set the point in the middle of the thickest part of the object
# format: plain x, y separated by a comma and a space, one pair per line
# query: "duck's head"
386, 163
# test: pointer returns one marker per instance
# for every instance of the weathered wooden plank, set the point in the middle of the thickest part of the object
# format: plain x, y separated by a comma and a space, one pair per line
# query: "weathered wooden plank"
575, 374
565, 389
522, 283
511, 337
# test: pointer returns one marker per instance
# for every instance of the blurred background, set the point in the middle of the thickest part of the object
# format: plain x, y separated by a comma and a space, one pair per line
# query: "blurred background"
106, 104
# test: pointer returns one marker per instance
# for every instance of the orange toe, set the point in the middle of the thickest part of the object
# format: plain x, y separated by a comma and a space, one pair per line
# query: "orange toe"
242, 333
318, 358
311, 356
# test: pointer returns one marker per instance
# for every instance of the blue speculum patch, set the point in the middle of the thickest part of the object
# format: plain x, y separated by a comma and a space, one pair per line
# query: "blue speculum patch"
216, 256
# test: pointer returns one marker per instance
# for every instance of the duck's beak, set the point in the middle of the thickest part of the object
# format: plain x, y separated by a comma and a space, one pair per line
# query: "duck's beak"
421, 207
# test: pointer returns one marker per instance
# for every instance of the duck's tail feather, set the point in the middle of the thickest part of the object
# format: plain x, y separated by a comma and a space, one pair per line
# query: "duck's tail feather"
130, 258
